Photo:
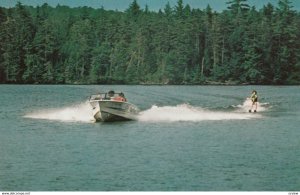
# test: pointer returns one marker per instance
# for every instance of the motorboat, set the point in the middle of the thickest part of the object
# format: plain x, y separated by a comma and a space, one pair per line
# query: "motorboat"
112, 106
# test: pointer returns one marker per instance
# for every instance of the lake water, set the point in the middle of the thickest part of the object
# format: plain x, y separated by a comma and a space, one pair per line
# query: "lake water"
187, 138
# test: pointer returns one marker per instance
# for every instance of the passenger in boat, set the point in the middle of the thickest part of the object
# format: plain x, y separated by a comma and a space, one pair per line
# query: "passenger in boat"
120, 98
110, 94
123, 96
254, 99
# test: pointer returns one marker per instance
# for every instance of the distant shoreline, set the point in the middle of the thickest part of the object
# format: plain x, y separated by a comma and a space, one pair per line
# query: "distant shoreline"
155, 84
178, 45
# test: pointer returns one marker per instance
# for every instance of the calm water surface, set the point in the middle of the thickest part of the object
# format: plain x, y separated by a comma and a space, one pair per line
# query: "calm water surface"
187, 138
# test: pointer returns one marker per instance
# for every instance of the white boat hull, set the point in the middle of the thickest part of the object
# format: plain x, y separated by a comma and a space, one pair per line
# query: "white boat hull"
108, 110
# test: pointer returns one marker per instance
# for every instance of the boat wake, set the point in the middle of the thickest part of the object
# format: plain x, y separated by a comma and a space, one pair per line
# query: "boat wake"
185, 112
261, 107
77, 113
83, 112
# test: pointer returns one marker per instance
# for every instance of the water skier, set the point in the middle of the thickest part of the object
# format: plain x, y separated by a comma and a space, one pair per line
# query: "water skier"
254, 99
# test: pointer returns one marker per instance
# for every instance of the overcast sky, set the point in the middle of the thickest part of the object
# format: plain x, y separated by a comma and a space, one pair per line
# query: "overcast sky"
121, 5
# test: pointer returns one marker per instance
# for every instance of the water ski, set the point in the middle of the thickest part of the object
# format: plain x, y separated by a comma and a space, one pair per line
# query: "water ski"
253, 111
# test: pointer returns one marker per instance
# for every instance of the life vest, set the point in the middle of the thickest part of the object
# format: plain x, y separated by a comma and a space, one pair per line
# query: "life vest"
254, 98
119, 99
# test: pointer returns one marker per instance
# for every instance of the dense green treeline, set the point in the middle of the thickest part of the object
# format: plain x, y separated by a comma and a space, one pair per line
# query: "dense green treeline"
176, 45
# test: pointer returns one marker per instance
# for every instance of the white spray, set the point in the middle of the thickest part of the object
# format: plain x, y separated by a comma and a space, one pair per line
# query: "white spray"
186, 112
183, 112
81, 113
261, 107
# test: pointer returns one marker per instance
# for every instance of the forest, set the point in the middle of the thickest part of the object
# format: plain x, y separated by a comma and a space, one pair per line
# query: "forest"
174, 45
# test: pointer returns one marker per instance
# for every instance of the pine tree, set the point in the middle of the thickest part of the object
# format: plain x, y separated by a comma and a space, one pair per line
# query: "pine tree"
238, 6
18, 33
285, 38
100, 64
24, 36
79, 49
2, 40
179, 9
134, 10
178, 45
168, 10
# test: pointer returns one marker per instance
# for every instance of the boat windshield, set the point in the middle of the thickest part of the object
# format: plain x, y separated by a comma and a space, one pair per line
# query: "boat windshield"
106, 96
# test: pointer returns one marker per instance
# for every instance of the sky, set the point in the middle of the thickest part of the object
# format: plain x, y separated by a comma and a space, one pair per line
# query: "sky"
155, 5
